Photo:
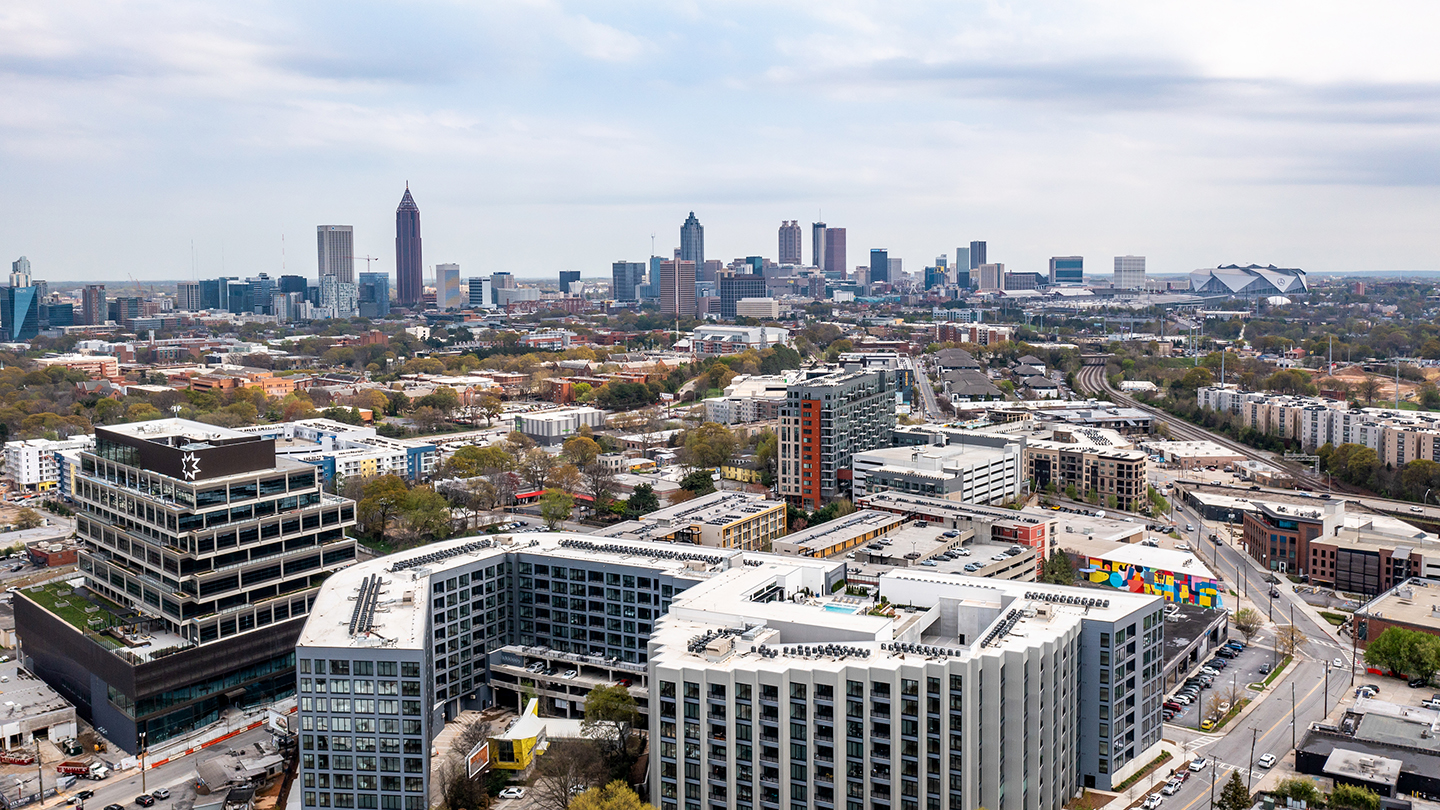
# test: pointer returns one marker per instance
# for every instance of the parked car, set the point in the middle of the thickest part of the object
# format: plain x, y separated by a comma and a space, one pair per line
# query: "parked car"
1264, 669
1152, 801
160, 794
1199, 764
513, 793
1417, 682
1266, 761
1171, 788
964, 552
145, 800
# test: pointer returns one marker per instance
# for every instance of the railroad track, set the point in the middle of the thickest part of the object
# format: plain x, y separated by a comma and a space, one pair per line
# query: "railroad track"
1093, 380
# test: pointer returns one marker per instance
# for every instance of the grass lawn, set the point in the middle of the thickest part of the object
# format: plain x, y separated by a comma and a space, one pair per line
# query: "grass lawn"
73, 608
1336, 619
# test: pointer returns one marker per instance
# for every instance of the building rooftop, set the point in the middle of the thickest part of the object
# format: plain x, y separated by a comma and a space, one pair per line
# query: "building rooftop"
1160, 559
386, 600
720, 624
22, 695
814, 540
717, 508
1415, 602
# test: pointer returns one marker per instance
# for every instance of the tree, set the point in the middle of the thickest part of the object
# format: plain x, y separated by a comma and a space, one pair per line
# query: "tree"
615, 796
1058, 569
471, 461
709, 446
427, 419
425, 516
600, 481
566, 765
698, 482
1299, 789
1368, 388
1406, 651
642, 501
1288, 639
581, 451
1354, 796
381, 499
536, 466
490, 407
767, 451
610, 717
555, 507
457, 790
27, 518
1234, 796
1248, 621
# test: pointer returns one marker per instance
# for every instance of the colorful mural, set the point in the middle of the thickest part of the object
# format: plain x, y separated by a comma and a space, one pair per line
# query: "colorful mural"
1172, 587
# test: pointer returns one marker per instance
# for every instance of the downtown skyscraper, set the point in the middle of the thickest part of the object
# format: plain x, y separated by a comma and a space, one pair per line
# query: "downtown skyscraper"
692, 242
790, 241
409, 269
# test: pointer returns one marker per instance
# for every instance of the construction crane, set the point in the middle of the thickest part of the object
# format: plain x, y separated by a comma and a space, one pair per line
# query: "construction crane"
367, 260
150, 287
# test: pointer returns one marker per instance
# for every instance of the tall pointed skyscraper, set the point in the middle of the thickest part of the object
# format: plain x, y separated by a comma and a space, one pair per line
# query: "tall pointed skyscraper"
692, 242
409, 268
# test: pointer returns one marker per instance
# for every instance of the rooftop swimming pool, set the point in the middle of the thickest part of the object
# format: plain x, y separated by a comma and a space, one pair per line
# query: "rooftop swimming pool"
834, 607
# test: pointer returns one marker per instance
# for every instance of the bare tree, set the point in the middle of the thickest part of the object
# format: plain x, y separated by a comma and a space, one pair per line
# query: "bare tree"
568, 765
1288, 639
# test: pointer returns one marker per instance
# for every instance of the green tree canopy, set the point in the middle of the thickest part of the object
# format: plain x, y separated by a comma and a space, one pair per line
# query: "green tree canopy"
1406, 651
555, 507
1235, 796
615, 796
642, 501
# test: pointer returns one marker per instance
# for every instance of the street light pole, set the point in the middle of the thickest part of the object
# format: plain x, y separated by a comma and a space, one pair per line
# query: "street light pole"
1250, 777
1292, 713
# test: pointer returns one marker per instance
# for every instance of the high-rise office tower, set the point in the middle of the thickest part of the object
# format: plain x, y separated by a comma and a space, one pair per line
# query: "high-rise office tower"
624, 278
187, 296
992, 277
566, 278
409, 268
373, 294
977, 255
215, 605
790, 243
1067, 270
934, 277
92, 304
835, 251
447, 286
340, 297
962, 268
897, 270
293, 284
20, 272
502, 280
20, 313
677, 289
879, 266
1129, 272
692, 242
817, 244
336, 251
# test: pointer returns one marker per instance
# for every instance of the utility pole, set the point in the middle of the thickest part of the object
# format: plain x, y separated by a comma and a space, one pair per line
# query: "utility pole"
142, 762
1325, 698
1250, 777
1292, 713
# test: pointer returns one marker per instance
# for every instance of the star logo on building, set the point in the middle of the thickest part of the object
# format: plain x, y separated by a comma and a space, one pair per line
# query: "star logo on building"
190, 466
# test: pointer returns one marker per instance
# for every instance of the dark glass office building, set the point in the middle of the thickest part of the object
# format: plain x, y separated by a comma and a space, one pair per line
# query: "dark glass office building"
1067, 270
409, 268
202, 552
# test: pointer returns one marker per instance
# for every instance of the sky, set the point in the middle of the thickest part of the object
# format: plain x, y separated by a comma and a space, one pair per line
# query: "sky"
166, 140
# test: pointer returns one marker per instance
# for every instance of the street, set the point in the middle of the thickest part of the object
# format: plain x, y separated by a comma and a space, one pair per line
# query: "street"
1267, 728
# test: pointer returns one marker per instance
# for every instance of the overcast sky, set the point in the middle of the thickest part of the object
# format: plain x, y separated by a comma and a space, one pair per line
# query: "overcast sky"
540, 136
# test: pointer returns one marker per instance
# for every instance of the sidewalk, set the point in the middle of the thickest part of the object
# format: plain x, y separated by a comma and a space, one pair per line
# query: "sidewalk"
1154, 781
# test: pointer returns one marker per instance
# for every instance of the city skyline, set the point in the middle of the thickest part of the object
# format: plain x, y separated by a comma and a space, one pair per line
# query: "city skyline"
1083, 130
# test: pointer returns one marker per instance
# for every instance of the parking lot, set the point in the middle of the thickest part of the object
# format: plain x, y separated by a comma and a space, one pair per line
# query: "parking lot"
1250, 665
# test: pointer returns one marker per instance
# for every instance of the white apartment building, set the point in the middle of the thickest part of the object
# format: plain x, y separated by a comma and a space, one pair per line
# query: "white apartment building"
761, 691
34, 464
349, 450
554, 427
